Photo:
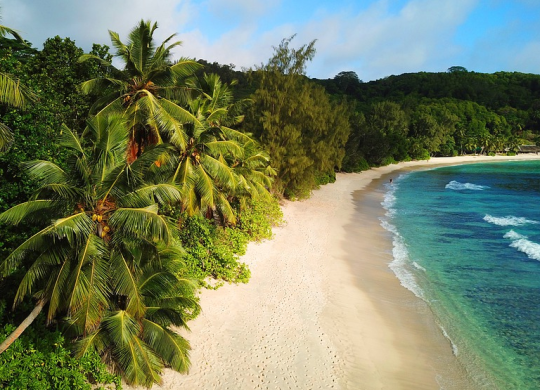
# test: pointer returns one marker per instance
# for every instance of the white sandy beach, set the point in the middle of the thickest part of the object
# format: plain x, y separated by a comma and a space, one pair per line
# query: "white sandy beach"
323, 310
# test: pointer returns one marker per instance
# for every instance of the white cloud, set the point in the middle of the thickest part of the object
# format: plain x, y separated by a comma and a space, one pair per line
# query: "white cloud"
380, 43
241, 9
377, 41
88, 22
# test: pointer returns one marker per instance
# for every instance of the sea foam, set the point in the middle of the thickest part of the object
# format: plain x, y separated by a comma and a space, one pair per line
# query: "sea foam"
456, 185
400, 253
523, 244
509, 220
400, 262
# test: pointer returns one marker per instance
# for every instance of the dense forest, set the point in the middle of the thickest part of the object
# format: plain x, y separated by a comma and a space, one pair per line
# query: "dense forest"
124, 190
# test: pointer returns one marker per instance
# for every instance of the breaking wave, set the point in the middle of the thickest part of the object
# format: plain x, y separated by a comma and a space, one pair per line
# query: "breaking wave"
456, 185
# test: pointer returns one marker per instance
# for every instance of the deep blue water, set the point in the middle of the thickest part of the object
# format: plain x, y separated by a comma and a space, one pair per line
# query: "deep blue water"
467, 241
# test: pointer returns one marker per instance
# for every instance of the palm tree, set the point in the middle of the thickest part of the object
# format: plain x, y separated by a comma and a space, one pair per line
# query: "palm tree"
213, 167
106, 258
146, 90
12, 93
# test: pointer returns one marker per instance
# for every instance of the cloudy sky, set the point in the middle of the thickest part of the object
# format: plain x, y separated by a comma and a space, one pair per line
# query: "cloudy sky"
374, 38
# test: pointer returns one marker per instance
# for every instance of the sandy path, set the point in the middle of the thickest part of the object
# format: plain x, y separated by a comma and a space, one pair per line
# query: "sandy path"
322, 309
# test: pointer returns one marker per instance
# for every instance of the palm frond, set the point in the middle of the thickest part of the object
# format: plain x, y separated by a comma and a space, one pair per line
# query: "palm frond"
140, 364
55, 290
94, 341
87, 57
38, 243
69, 139
236, 135
124, 280
6, 30
62, 191
219, 170
225, 208
45, 172
185, 67
28, 210
6, 138
74, 228
163, 193
88, 281
205, 188
51, 257
142, 223
226, 148
181, 114
121, 49
13, 93
122, 327
170, 346
97, 85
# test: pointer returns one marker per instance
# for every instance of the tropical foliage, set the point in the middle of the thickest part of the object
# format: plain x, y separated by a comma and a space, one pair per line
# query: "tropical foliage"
40, 359
150, 90
297, 123
12, 93
106, 258
444, 114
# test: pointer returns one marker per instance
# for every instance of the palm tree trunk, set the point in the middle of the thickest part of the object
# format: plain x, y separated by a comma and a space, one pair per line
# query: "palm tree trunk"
22, 327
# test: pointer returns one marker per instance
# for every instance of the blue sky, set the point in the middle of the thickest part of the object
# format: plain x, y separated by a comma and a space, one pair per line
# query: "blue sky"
374, 38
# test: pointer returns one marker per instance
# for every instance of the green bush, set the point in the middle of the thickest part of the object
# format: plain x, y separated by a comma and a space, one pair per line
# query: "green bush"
388, 161
39, 360
214, 251
325, 178
355, 165
257, 219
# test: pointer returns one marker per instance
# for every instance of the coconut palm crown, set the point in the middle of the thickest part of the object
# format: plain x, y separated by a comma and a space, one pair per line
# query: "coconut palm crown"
205, 168
106, 260
150, 90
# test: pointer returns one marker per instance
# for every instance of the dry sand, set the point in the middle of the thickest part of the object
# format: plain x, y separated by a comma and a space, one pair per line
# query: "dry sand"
322, 309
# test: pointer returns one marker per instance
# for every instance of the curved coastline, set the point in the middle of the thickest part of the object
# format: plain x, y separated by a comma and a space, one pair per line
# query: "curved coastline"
323, 310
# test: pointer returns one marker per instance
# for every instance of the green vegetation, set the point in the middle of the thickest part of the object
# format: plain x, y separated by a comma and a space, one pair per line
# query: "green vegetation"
419, 115
125, 191
40, 359
111, 204
295, 120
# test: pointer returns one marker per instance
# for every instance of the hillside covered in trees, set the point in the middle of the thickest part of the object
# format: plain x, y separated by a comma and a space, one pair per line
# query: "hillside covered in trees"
124, 190
419, 115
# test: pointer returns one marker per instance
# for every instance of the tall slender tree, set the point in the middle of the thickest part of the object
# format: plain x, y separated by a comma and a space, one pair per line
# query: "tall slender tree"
294, 120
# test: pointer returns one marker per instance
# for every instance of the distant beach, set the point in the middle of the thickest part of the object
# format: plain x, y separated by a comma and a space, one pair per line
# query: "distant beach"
323, 310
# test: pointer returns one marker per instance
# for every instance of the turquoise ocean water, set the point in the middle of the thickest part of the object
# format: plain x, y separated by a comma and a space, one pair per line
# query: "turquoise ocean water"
467, 241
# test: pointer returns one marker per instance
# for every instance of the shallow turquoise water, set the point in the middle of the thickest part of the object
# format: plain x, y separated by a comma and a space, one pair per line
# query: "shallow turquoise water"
467, 240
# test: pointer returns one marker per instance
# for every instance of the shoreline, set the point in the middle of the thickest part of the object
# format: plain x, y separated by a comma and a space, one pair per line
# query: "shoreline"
323, 310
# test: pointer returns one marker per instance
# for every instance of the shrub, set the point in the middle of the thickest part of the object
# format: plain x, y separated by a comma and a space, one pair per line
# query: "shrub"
388, 161
214, 251
211, 252
325, 178
257, 219
38, 360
